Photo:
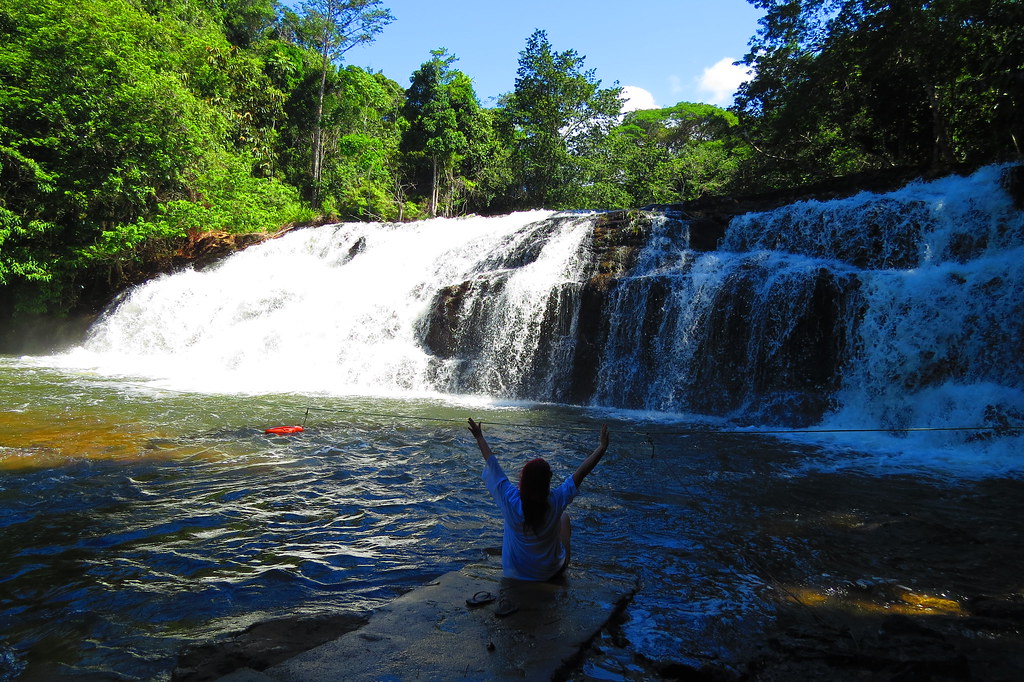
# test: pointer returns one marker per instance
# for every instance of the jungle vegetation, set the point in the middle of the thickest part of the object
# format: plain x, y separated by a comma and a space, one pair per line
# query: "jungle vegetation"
129, 128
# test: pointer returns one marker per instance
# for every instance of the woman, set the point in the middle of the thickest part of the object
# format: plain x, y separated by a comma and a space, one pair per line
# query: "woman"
535, 545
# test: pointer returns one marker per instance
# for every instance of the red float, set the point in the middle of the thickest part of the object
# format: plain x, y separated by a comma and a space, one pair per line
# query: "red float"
284, 429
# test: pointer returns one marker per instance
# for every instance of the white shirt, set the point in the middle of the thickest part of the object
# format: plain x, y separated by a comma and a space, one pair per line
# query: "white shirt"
526, 555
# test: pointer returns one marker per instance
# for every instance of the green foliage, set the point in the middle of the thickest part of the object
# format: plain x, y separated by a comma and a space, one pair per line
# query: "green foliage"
122, 127
556, 116
850, 85
331, 28
361, 144
679, 153
17, 260
445, 141
126, 125
231, 200
96, 128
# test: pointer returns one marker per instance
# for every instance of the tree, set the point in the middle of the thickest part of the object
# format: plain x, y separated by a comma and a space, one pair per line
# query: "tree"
445, 129
433, 132
678, 153
362, 136
849, 85
332, 28
245, 21
123, 129
556, 116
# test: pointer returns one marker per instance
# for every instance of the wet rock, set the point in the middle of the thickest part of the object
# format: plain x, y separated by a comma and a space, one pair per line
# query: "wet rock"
745, 356
915, 651
1013, 182
901, 649
618, 238
430, 633
1004, 421
261, 646
441, 326
903, 626
792, 383
357, 248
457, 322
10, 664
1003, 609
707, 230
672, 670
591, 333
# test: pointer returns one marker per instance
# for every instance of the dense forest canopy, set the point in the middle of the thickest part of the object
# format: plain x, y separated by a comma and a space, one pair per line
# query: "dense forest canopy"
848, 85
130, 127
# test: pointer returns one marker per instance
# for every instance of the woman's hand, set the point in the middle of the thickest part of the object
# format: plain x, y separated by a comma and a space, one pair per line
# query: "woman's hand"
476, 429
590, 462
478, 432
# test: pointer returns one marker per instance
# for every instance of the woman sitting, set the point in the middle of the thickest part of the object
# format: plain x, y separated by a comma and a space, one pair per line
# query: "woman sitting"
535, 545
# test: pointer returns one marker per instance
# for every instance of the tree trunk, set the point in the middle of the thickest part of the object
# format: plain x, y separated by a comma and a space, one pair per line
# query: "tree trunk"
316, 168
433, 190
942, 148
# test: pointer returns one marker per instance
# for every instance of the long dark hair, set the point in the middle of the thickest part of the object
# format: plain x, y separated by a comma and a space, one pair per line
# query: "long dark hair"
534, 486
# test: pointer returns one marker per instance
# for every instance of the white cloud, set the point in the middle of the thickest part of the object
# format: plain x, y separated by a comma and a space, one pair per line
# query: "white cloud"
722, 79
636, 98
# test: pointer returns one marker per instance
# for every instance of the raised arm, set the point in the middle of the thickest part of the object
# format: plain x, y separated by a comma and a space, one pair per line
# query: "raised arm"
590, 462
478, 432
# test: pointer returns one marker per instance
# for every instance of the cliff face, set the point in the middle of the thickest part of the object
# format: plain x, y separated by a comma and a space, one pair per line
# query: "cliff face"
574, 315
579, 315
616, 240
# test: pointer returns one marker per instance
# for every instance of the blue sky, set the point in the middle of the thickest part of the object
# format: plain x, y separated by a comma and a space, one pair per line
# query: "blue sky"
674, 50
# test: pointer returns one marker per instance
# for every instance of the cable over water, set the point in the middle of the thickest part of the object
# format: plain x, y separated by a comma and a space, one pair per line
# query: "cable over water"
670, 431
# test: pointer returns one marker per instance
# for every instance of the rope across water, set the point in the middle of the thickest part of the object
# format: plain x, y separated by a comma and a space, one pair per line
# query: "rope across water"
673, 432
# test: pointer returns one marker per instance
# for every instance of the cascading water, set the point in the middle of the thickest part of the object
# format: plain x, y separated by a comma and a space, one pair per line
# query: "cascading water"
876, 311
933, 328
339, 309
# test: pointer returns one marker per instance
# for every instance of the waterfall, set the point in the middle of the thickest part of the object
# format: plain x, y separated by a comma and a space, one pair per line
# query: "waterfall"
338, 309
886, 311
934, 332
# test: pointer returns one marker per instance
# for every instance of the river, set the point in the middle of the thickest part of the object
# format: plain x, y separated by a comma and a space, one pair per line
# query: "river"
136, 519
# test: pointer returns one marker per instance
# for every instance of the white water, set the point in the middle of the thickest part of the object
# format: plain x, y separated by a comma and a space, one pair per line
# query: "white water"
937, 332
953, 219
305, 313
940, 346
925, 285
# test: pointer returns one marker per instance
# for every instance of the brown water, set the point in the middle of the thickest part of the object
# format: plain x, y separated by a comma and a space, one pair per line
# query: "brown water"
134, 521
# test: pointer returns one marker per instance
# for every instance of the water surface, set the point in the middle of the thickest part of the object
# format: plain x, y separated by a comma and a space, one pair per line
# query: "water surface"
136, 520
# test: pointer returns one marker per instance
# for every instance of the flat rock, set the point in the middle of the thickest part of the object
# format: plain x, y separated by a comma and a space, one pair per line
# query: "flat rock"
431, 632
262, 645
